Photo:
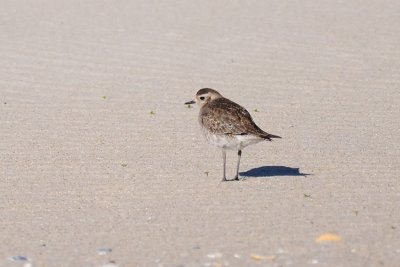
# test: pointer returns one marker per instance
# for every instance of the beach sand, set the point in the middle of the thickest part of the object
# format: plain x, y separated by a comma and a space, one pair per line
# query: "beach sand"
101, 164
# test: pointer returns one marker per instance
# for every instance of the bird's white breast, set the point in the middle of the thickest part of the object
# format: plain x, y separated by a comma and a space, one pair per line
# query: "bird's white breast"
234, 142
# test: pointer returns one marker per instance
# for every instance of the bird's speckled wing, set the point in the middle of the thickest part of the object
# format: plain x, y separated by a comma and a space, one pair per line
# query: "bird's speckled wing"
222, 116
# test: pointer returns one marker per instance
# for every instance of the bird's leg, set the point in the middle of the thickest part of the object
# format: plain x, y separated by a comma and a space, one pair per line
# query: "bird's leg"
237, 167
224, 163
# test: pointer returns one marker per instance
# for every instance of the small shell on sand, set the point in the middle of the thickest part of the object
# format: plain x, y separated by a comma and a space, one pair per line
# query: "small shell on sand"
328, 237
104, 251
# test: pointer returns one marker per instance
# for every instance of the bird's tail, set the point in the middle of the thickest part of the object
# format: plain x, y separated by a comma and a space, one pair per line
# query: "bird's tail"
269, 137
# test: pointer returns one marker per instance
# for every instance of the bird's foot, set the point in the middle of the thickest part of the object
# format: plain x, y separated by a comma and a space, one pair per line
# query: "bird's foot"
226, 180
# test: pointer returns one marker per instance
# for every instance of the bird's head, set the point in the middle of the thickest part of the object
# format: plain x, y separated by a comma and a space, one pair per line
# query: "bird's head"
204, 96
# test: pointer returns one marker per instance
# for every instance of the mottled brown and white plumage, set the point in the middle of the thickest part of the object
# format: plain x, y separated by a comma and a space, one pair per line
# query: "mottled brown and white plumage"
227, 125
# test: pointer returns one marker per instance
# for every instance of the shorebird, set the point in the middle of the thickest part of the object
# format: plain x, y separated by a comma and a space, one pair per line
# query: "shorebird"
227, 125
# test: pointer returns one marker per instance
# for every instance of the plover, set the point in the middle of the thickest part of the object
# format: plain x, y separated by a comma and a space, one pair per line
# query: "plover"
227, 125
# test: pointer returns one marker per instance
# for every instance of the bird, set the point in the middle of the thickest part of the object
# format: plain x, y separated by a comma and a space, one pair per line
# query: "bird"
227, 125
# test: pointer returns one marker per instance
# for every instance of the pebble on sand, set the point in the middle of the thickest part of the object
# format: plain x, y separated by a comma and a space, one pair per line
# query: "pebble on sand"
19, 258
214, 255
110, 264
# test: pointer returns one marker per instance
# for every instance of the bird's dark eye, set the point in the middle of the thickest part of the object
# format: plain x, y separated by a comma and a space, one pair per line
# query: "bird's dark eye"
202, 97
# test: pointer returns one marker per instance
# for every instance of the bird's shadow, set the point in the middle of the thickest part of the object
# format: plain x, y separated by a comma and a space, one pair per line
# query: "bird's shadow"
269, 171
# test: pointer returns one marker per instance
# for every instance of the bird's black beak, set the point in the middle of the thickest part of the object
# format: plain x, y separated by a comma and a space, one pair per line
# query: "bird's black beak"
190, 102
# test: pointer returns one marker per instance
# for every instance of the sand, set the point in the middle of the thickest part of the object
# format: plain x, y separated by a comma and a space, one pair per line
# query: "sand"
101, 164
